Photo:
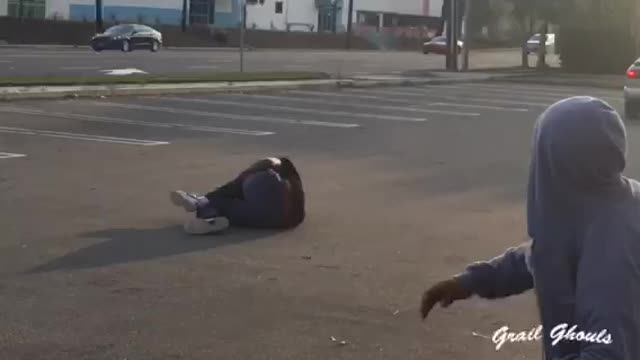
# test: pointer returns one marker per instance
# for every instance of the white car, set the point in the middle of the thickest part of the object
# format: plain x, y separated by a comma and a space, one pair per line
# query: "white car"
534, 43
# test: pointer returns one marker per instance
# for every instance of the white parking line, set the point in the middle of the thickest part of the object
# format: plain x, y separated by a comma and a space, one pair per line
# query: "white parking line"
205, 67
219, 115
366, 106
80, 68
552, 88
4, 155
423, 95
478, 106
300, 110
106, 119
540, 95
74, 136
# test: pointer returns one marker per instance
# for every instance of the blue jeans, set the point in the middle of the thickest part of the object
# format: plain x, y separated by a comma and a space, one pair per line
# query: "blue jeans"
256, 201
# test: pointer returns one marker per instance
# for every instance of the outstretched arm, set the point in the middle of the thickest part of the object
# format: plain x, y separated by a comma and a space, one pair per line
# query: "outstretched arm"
506, 275
502, 276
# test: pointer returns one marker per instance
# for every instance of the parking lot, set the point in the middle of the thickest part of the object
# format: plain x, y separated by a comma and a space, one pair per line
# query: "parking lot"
404, 186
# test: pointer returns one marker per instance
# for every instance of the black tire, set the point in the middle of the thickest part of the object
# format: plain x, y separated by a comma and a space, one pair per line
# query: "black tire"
126, 46
155, 46
96, 48
631, 109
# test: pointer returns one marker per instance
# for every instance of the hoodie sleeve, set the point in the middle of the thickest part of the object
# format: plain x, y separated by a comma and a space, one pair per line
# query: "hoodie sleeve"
505, 275
607, 296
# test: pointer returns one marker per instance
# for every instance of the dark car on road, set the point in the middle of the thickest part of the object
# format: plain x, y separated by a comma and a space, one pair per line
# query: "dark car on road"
127, 37
438, 45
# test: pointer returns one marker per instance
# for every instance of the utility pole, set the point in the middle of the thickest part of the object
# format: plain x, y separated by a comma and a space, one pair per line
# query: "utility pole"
452, 36
184, 15
243, 23
466, 44
349, 24
99, 22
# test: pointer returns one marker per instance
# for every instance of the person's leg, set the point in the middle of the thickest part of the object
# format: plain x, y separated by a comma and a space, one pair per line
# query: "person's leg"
232, 189
262, 206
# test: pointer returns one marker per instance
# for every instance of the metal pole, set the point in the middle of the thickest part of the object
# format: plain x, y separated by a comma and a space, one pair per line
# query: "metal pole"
349, 24
184, 15
243, 13
466, 45
454, 36
99, 23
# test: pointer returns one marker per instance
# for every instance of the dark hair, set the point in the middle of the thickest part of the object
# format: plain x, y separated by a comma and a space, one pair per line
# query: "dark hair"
287, 169
289, 172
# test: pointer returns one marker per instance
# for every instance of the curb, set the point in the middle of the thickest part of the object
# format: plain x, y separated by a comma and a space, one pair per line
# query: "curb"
61, 92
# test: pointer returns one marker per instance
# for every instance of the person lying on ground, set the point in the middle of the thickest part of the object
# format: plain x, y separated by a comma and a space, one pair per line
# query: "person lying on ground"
583, 218
268, 194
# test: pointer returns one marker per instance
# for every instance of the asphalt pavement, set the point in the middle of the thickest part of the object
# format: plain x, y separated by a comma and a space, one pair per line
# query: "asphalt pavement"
405, 186
60, 61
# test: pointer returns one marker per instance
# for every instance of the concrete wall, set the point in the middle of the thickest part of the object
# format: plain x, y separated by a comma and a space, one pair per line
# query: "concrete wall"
3, 7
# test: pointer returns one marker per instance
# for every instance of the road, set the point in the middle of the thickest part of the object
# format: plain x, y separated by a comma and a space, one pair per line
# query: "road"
405, 186
15, 62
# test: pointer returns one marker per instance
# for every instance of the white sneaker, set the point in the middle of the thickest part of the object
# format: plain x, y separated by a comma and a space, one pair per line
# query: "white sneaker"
196, 226
188, 201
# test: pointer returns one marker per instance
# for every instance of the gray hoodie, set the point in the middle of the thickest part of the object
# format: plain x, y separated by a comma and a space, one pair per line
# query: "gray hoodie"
584, 223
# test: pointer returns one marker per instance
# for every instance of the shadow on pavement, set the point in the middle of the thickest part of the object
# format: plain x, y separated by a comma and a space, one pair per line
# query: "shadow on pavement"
130, 245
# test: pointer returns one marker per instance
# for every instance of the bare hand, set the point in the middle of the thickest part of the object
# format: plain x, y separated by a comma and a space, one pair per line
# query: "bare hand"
445, 293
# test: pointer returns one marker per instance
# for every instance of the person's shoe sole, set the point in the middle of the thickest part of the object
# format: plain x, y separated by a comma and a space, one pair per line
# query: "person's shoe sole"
181, 198
202, 227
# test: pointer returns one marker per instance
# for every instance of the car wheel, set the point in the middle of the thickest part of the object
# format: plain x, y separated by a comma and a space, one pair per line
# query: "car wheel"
96, 48
631, 109
155, 46
126, 46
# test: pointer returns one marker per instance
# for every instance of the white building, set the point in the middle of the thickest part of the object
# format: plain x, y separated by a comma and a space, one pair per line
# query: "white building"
318, 15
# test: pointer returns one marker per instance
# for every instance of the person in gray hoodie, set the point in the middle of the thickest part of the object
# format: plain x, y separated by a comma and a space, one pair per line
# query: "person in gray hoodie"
583, 260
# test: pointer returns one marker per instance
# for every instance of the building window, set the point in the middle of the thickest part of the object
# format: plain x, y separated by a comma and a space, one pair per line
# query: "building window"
279, 7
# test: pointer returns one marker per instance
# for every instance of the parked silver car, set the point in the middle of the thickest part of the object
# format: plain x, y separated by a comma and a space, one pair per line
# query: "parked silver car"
632, 91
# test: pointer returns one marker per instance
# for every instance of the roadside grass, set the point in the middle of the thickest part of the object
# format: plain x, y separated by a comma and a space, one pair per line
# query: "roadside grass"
141, 79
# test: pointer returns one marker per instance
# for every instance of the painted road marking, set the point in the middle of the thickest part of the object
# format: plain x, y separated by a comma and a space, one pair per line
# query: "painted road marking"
80, 68
121, 72
553, 88
298, 110
434, 95
478, 106
366, 106
539, 95
75, 136
219, 115
4, 155
205, 67
113, 120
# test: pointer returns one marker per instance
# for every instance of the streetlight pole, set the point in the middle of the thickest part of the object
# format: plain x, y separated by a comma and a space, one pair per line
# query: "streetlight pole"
99, 23
243, 16
466, 39
184, 15
349, 24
